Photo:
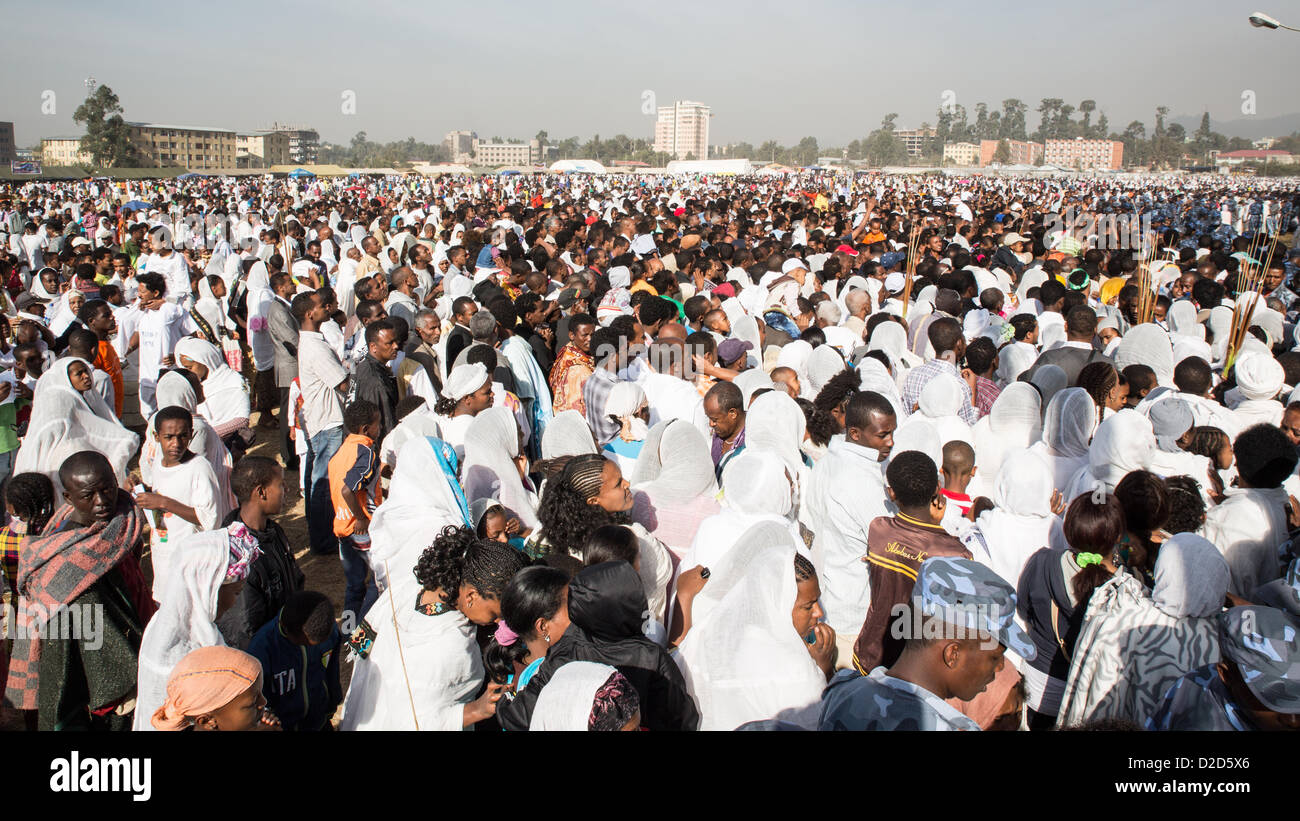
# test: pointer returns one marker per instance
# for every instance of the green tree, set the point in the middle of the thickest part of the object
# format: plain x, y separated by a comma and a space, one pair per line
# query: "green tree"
541, 137
1003, 152
1086, 107
1013, 119
107, 138
883, 147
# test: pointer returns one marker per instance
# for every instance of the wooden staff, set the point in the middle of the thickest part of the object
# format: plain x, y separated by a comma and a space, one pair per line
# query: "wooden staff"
913, 245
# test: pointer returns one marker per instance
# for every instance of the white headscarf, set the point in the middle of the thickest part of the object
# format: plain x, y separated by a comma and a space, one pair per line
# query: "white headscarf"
259, 302
186, 619
795, 355
625, 400
776, 424
752, 380
1013, 423
1021, 520
566, 702
1149, 345
225, 392
824, 364
742, 660
567, 435
1124, 443
756, 487
1259, 376
63, 314
65, 421
489, 472
464, 380
1067, 432
1182, 320
421, 501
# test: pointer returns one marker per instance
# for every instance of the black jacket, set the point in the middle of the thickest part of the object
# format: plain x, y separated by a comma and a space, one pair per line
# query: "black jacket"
374, 382
457, 341
273, 578
606, 608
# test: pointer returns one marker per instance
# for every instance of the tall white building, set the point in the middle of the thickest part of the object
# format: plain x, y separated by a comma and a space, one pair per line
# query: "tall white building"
682, 130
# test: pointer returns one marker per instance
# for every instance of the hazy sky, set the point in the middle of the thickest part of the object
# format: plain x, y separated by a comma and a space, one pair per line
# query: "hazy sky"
769, 70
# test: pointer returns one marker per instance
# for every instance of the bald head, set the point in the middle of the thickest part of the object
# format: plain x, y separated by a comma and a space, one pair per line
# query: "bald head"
672, 331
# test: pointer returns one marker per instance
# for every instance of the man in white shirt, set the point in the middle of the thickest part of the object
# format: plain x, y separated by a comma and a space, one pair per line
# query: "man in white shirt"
158, 326
164, 260
323, 381
846, 492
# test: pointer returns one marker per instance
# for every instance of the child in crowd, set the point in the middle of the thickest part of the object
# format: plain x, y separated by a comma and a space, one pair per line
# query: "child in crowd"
299, 652
356, 492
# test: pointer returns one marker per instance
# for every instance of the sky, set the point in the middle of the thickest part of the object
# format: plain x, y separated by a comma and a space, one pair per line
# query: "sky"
769, 70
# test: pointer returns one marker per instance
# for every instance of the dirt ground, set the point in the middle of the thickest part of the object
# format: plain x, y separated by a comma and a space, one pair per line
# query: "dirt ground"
324, 573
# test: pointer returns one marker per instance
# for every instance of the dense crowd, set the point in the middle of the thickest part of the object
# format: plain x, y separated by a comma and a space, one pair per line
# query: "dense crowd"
811, 451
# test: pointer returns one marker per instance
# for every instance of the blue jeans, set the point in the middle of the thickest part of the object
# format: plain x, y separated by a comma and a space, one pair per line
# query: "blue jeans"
320, 510
361, 591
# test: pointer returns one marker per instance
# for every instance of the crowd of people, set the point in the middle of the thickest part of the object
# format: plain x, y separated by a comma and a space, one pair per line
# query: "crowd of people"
812, 451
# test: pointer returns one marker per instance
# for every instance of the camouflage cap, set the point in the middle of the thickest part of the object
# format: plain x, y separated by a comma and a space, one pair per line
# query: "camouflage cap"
966, 593
1283, 593
1262, 642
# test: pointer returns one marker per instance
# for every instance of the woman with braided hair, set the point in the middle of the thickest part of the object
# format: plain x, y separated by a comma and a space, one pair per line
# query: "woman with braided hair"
418, 665
586, 492
1106, 386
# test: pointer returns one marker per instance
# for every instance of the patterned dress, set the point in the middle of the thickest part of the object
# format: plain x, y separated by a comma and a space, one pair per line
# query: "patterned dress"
568, 375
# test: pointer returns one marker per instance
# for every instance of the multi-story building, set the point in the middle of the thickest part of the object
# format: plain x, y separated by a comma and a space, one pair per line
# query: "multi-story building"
63, 151
1085, 155
960, 153
460, 145
262, 149
304, 143
191, 147
1020, 152
520, 153
915, 140
1252, 155
8, 151
682, 130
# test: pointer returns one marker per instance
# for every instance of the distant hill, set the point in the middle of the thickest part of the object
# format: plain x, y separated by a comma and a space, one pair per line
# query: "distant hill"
1252, 128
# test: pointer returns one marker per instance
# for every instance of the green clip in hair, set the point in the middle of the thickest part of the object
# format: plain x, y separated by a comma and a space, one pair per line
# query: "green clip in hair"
1085, 559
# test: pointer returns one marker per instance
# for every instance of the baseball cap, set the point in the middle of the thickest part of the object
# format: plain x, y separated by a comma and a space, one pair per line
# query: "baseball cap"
968, 594
895, 282
892, 258
1262, 642
1283, 593
847, 249
732, 349
1012, 238
724, 291
571, 295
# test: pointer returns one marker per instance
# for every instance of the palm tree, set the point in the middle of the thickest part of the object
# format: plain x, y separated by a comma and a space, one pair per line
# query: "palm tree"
1086, 107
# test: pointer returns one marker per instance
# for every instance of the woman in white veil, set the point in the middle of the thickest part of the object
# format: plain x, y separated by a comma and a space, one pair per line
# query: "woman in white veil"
744, 659
823, 365
567, 435
756, 487
491, 469
1123, 443
1067, 433
66, 419
260, 298
673, 485
1013, 423
1021, 520
1149, 345
940, 405
205, 581
424, 497
795, 356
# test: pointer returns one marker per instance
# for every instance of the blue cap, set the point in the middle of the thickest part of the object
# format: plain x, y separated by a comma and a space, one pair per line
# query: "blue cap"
968, 594
1262, 642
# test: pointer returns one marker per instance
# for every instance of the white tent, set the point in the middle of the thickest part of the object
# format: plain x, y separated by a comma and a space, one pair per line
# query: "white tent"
710, 167
577, 167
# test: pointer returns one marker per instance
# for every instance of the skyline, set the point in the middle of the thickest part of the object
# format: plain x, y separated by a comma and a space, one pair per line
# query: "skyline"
765, 75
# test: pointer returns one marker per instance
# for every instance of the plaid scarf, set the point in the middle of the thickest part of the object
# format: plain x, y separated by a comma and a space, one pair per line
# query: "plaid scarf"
59, 566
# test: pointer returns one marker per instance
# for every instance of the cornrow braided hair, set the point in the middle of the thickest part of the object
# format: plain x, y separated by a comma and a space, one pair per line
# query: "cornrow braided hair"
567, 518
459, 557
32, 497
1098, 379
803, 569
